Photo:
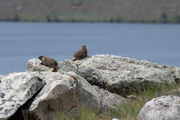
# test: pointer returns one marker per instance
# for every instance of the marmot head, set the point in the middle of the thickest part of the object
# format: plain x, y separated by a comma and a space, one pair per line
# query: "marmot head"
84, 47
40, 57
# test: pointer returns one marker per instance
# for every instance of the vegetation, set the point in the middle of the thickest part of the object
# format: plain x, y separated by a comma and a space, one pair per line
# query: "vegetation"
91, 10
127, 111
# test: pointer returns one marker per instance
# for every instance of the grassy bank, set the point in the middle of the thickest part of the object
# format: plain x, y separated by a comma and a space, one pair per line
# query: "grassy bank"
127, 111
91, 10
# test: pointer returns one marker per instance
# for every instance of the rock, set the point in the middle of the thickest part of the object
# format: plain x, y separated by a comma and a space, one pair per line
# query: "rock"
97, 97
177, 73
57, 96
34, 65
161, 108
15, 90
94, 81
67, 65
109, 100
131, 97
1, 76
115, 119
121, 75
64, 92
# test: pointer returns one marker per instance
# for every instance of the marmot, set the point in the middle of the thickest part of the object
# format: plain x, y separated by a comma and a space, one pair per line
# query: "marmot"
82, 53
49, 62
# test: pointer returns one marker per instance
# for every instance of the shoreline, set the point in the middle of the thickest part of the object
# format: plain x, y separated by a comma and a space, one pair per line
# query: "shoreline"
116, 22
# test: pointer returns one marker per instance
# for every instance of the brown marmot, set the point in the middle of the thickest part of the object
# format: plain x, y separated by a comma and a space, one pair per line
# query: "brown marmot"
80, 54
49, 62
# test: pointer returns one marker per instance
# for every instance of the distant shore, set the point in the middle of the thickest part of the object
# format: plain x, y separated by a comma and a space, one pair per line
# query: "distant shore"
138, 11
84, 21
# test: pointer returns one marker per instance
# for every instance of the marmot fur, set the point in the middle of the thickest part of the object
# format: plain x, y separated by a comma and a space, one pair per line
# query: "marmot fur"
49, 62
80, 54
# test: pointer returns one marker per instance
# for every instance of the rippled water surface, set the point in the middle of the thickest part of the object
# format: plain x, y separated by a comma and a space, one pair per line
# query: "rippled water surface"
21, 41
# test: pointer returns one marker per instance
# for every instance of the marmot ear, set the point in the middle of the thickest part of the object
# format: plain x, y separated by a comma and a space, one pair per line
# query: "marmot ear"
40, 57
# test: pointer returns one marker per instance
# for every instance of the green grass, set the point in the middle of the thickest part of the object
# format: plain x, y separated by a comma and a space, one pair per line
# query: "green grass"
127, 111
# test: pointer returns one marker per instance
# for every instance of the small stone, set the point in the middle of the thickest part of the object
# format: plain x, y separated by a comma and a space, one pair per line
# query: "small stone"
2, 95
1, 108
115, 119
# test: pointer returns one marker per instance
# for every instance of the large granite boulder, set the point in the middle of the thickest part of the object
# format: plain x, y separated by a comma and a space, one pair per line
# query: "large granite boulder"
15, 90
35, 65
117, 74
121, 75
161, 108
94, 81
97, 97
58, 95
64, 92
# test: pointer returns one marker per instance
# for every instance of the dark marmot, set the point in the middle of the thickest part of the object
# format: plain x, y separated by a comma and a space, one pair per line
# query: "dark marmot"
82, 53
49, 62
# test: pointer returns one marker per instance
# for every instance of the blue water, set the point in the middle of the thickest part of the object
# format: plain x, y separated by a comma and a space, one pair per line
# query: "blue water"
20, 42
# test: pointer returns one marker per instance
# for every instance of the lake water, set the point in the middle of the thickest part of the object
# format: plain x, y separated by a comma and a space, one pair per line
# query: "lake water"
20, 42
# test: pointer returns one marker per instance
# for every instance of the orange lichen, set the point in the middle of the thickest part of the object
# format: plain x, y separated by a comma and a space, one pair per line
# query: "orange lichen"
74, 77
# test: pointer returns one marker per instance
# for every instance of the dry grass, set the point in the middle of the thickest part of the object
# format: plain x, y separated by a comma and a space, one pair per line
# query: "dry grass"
127, 111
